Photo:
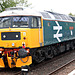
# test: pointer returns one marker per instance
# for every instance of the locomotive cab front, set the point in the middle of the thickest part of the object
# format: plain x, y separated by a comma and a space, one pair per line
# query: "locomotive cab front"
19, 33
13, 41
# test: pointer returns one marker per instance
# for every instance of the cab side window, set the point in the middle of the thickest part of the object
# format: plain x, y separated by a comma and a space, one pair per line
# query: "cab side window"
39, 22
34, 22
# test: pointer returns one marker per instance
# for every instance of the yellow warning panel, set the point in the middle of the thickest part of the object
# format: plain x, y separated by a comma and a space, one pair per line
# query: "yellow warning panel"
1, 63
10, 61
24, 61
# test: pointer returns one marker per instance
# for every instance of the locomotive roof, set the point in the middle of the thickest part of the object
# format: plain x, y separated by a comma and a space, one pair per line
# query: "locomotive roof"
56, 16
16, 11
19, 11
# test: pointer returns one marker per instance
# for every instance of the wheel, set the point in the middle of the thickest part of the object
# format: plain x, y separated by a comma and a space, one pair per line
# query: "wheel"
72, 45
49, 54
67, 46
54, 50
38, 56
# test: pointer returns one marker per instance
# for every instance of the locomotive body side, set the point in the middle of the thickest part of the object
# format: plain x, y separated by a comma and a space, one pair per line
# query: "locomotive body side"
58, 31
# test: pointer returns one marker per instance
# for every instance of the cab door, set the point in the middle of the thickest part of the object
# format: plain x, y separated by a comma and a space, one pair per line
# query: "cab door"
36, 32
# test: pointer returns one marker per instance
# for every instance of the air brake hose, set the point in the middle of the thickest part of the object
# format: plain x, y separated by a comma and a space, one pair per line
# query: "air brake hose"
25, 61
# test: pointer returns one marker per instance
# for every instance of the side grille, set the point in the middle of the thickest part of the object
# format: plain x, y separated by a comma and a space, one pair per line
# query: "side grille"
10, 36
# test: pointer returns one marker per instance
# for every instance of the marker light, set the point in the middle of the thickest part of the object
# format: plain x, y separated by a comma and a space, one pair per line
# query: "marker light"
15, 51
0, 52
28, 51
13, 44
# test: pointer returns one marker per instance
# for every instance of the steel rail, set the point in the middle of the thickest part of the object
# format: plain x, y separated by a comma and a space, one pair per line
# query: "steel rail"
61, 67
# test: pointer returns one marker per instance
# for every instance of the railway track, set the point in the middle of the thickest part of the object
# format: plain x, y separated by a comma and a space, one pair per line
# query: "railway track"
61, 67
37, 66
51, 73
55, 64
8, 71
18, 73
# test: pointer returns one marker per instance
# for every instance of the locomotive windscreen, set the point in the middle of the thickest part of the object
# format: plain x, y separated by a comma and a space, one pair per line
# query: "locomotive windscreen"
14, 22
20, 21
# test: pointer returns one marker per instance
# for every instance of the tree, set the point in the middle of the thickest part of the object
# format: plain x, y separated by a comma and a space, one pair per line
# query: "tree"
71, 14
24, 3
11, 3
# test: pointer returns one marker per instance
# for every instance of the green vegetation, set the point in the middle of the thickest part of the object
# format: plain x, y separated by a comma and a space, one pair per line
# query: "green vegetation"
11, 3
72, 14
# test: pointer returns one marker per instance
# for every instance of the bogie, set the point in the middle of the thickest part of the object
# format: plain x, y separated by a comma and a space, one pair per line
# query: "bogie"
52, 50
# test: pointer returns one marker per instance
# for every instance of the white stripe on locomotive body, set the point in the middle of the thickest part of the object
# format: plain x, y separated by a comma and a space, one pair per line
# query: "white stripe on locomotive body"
71, 32
58, 28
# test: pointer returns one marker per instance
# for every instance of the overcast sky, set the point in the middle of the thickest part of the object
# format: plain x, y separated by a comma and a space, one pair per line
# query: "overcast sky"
60, 6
